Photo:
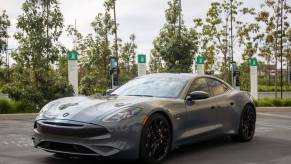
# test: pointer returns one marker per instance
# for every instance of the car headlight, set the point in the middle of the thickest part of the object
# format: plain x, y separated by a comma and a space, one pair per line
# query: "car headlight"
47, 107
122, 114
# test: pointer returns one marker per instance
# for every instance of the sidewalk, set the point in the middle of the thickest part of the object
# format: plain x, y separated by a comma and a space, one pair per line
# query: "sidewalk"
273, 109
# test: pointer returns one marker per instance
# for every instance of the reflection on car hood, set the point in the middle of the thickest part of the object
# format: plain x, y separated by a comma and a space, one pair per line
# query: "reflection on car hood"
86, 109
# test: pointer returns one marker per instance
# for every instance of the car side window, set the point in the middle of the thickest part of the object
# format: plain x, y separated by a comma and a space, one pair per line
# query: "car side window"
216, 87
199, 84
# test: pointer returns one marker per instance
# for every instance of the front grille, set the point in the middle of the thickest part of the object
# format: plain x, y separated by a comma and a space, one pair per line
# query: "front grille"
69, 148
64, 129
62, 124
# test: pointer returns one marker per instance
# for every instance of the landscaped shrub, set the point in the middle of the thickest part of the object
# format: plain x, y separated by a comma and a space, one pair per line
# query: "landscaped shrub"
5, 106
271, 102
287, 102
8, 106
264, 102
24, 107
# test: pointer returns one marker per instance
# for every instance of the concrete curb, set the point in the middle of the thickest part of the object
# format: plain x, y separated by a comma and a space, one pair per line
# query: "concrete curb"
273, 109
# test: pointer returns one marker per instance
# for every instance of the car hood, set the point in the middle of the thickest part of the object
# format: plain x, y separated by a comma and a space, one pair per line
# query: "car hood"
87, 109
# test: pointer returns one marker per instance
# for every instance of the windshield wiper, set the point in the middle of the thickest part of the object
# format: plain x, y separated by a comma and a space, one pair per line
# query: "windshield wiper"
141, 95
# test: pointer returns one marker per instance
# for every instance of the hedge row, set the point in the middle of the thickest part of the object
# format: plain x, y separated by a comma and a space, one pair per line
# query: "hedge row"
272, 102
8, 106
266, 88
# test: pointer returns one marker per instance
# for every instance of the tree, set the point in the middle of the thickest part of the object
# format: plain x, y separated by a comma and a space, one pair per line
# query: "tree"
174, 44
268, 17
214, 34
95, 50
35, 79
127, 62
4, 25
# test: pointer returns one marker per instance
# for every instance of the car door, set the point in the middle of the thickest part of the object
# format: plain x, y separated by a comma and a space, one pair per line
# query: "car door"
222, 107
202, 117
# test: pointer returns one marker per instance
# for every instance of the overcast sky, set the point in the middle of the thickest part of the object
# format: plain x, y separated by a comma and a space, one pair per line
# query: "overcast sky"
144, 18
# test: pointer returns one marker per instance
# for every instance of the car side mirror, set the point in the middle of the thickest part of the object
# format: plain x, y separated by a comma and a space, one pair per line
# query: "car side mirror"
197, 95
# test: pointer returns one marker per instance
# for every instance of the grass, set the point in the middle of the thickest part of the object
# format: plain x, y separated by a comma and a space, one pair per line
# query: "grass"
9, 106
272, 102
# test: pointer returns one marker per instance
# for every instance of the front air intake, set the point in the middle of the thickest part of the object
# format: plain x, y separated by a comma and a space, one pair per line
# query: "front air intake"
63, 147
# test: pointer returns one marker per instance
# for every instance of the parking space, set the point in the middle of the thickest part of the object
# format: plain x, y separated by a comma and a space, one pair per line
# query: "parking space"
272, 144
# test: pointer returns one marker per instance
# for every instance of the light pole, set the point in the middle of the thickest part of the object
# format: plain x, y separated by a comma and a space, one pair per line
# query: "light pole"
115, 74
281, 47
115, 29
8, 62
180, 11
231, 44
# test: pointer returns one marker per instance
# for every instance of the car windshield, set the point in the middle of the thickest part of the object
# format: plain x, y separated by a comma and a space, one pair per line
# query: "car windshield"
164, 87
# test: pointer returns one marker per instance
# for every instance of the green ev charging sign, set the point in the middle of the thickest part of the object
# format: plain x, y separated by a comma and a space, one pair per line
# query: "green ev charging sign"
141, 58
200, 59
253, 61
73, 55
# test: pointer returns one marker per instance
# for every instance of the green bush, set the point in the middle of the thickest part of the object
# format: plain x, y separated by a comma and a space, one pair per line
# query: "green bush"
271, 102
264, 102
24, 107
8, 106
288, 102
5, 106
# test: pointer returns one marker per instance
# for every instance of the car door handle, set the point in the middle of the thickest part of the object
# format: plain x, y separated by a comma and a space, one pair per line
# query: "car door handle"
213, 107
178, 116
232, 103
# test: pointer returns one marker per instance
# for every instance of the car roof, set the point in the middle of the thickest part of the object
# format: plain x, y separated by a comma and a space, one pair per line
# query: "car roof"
174, 75
186, 76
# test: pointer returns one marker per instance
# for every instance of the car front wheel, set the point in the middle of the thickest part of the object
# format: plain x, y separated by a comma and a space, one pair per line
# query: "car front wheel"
247, 124
156, 139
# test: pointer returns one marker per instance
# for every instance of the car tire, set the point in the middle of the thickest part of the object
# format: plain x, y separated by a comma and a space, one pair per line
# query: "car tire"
247, 125
155, 140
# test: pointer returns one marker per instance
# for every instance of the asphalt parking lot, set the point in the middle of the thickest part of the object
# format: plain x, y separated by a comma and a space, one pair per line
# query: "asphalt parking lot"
272, 144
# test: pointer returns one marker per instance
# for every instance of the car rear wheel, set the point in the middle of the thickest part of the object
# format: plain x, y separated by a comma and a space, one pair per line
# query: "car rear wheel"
247, 124
155, 139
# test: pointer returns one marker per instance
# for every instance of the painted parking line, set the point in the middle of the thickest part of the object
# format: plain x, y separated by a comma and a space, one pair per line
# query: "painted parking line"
273, 115
275, 126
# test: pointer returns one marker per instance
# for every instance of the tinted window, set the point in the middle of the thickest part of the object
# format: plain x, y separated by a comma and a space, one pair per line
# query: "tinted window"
199, 85
167, 87
216, 87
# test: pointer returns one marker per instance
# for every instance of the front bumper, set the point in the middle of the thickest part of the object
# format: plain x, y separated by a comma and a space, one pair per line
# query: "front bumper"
78, 138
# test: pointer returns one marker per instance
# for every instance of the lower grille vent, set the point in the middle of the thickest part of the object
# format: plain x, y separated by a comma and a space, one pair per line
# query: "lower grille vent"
70, 148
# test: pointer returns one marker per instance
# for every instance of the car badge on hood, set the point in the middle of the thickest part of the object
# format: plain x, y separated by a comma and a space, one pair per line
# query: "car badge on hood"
66, 114
120, 104
64, 106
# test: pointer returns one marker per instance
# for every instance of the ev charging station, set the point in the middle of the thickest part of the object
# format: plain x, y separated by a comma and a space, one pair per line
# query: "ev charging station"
254, 77
73, 70
200, 65
141, 59
114, 72
236, 74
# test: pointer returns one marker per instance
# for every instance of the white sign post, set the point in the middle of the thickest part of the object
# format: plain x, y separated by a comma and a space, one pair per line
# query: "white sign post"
254, 78
194, 64
142, 67
200, 64
73, 70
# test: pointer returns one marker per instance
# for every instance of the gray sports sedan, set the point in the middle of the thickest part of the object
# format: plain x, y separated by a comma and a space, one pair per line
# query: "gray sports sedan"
146, 118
